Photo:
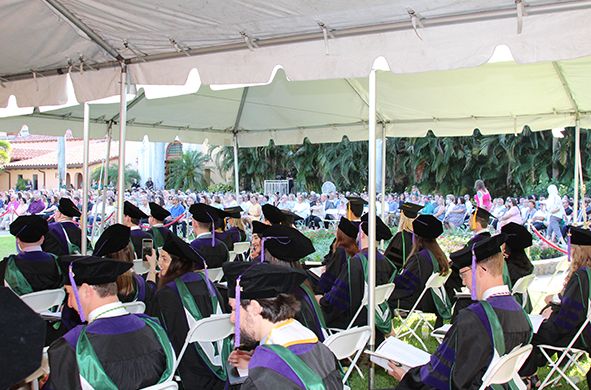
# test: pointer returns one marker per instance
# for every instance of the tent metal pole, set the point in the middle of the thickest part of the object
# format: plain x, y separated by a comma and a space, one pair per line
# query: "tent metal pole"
85, 178
383, 189
105, 180
371, 247
236, 176
577, 163
122, 135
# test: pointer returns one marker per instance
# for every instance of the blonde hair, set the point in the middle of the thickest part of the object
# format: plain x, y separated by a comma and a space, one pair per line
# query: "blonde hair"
405, 223
494, 264
580, 257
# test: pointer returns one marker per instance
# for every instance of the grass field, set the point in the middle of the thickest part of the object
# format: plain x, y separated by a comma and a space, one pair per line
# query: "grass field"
7, 246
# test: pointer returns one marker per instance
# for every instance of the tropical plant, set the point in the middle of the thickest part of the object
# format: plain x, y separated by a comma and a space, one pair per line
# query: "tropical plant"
113, 175
187, 172
5, 149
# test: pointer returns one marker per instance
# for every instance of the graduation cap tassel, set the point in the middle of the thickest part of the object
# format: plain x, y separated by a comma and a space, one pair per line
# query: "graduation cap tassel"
263, 249
473, 288
237, 314
75, 288
359, 236
569, 236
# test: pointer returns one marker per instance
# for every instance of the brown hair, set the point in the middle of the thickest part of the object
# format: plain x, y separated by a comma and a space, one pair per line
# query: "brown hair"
580, 257
125, 281
432, 245
177, 267
349, 244
281, 308
105, 290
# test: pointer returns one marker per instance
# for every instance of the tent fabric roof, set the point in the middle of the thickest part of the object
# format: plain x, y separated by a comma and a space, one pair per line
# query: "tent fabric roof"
39, 39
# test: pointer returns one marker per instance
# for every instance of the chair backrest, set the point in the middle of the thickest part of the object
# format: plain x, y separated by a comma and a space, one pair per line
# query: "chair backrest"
215, 274
522, 284
241, 247
41, 301
436, 280
163, 386
140, 267
502, 370
233, 255
383, 292
347, 342
135, 307
211, 329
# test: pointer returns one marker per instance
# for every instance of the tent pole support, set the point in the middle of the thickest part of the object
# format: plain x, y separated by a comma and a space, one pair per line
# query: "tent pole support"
371, 247
235, 131
105, 180
85, 179
383, 189
122, 136
577, 165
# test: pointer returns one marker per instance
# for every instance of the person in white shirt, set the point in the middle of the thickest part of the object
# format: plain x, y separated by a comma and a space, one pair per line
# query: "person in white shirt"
302, 208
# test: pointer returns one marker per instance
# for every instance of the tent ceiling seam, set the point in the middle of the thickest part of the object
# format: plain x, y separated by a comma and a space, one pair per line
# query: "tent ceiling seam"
240, 109
567, 89
364, 100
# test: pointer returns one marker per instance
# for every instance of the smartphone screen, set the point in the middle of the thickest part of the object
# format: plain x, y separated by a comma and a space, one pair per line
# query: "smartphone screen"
147, 246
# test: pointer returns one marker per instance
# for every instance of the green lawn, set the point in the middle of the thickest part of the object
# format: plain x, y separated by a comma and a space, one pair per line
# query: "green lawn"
7, 246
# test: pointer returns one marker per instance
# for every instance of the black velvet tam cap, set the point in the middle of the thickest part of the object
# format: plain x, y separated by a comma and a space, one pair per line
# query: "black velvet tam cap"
175, 245
348, 227
68, 208
273, 214
93, 270
483, 249
382, 230
29, 228
204, 213
482, 213
289, 217
261, 280
579, 236
411, 210
427, 226
286, 243
259, 227
23, 337
113, 239
133, 211
234, 211
518, 237
158, 212
356, 201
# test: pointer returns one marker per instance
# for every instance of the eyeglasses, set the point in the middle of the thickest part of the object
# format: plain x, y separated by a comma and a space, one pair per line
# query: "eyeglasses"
469, 269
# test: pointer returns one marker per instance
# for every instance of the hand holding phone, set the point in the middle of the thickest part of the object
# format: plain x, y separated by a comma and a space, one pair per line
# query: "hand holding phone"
147, 247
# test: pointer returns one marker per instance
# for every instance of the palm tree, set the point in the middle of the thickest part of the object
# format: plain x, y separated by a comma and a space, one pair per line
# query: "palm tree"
113, 175
5, 149
186, 172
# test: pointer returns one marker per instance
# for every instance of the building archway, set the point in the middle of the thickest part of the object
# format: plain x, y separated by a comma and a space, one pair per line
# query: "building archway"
78, 180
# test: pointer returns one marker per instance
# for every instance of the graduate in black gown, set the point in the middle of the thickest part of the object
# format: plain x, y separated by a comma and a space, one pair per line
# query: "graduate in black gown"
467, 349
156, 220
285, 246
426, 258
255, 246
184, 297
263, 309
220, 230
120, 350
131, 218
340, 304
64, 232
31, 269
400, 247
236, 227
114, 243
209, 246
566, 311
343, 248
518, 239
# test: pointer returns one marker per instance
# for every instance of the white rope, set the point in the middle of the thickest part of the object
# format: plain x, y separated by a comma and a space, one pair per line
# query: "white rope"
249, 42
415, 18
327, 33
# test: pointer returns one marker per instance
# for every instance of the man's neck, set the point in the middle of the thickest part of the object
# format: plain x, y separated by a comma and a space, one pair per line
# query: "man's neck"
487, 283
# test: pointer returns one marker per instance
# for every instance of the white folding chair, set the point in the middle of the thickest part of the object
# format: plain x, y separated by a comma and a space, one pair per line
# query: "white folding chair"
241, 247
140, 267
215, 274
135, 307
169, 385
562, 266
233, 255
435, 281
521, 286
207, 330
348, 343
506, 367
568, 352
41, 301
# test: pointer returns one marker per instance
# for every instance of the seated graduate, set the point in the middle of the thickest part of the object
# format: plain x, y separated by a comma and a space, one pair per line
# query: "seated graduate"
495, 321
213, 250
236, 229
131, 218
425, 259
221, 233
285, 246
287, 354
341, 303
67, 234
566, 311
120, 350
31, 269
400, 247
272, 215
114, 244
255, 246
156, 220
518, 264
342, 249
354, 212
184, 297
289, 219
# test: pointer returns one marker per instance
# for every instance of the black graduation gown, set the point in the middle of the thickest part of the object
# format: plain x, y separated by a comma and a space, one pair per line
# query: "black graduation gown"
518, 268
564, 323
335, 261
39, 268
226, 238
467, 349
142, 291
214, 255
136, 237
400, 245
411, 282
307, 316
168, 308
55, 240
341, 303
126, 347
164, 232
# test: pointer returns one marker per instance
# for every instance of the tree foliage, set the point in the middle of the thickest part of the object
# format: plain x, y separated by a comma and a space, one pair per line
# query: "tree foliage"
186, 172
508, 163
113, 176
5, 149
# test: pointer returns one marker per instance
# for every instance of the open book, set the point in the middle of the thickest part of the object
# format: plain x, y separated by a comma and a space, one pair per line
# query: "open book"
400, 353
